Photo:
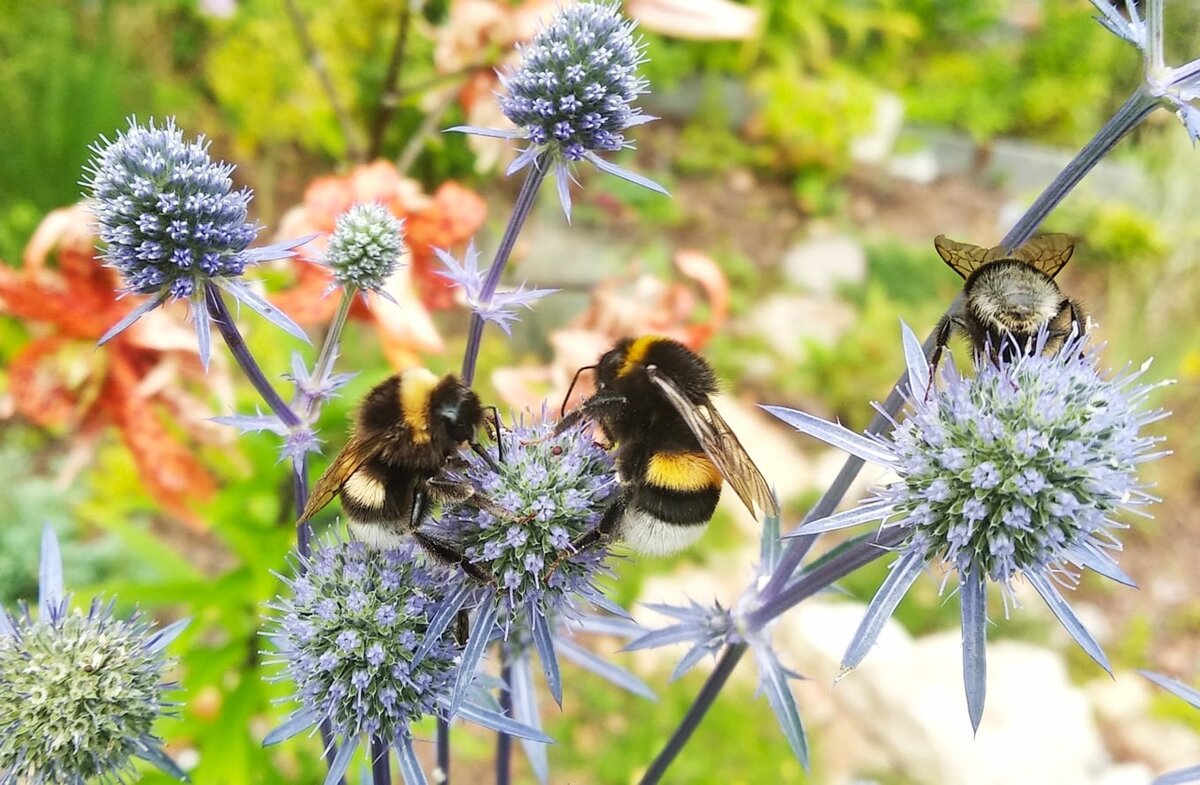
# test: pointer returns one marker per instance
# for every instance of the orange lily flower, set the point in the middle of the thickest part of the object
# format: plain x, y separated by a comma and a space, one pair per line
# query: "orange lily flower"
444, 220
62, 379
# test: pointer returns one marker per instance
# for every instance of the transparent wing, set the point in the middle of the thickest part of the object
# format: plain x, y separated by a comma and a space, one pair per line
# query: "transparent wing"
963, 258
722, 447
1048, 253
347, 462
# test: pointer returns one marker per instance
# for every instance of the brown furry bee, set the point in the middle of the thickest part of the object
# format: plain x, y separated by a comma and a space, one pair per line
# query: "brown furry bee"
653, 399
408, 429
1008, 297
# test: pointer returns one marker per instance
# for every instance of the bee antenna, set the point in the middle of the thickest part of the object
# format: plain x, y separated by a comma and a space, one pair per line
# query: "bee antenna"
562, 412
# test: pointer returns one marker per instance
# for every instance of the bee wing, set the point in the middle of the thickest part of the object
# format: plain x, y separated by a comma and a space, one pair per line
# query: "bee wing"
963, 258
1048, 253
356, 452
722, 447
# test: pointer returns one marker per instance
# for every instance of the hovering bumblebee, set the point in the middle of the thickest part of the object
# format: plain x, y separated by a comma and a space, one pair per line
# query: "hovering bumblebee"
408, 429
653, 400
1008, 297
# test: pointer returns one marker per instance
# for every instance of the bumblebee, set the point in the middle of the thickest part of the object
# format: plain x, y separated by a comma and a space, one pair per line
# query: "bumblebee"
408, 430
653, 400
1008, 297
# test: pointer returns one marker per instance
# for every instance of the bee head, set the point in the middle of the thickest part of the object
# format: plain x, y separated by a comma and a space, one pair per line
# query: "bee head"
457, 408
1012, 296
628, 361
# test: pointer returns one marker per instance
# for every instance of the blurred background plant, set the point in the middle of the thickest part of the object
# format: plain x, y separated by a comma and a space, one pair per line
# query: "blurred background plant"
814, 149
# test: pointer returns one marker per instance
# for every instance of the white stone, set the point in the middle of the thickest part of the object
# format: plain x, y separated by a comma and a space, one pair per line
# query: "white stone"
920, 167
1126, 774
874, 146
1122, 707
789, 322
821, 265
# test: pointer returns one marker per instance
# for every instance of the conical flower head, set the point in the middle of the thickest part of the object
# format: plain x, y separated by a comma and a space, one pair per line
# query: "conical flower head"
365, 247
1022, 466
549, 491
79, 692
573, 89
348, 633
168, 213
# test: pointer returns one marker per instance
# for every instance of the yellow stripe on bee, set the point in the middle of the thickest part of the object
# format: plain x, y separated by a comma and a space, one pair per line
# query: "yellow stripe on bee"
636, 354
415, 386
682, 471
365, 489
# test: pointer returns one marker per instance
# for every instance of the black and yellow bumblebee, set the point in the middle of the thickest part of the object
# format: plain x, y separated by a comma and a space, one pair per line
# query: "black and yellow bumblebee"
653, 400
407, 432
1009, 297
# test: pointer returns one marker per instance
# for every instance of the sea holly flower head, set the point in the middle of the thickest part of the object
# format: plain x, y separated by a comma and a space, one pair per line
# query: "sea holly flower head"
571, 96
365, 247
363, 636
1178, 87
500, 308
80, 692
174, 226
522, 531
1016, 472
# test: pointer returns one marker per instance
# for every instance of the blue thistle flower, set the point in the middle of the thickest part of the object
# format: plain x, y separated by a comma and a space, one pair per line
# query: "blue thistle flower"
500, 308
1177, 88
549, 491
709, 629
363, 637
1018, 471
79, 693
571, 95
1179, 690
172, 224
365, 247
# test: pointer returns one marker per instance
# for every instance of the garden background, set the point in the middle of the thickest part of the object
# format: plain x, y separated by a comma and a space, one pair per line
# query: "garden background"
813, 151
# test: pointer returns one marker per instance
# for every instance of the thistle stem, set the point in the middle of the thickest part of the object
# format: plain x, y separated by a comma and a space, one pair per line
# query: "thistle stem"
1135, 109
443, 751
241, 353
503, 740
525, 199
381, 769
333, 338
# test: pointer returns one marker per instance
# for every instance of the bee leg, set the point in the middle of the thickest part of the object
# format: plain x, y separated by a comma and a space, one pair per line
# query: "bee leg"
603, 532
945, 327
482, 453
593, 408
462, 627
449, 554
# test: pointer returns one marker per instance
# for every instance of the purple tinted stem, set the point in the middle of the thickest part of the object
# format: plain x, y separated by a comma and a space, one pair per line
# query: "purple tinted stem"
241, 353
443, 750
503, 740
381, 769
525, 199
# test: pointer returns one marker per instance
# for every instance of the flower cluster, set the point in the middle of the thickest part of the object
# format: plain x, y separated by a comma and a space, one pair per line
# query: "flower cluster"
348, 633
549, 491
363, 637
365, 247
172, 224
571, 94
79, 692
1016, 471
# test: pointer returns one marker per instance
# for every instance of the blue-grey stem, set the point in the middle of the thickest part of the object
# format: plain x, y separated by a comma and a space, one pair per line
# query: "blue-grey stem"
777, 599
443, 751
1132, 112
333, 338
381, 769
525, 199
503, 740
241, 353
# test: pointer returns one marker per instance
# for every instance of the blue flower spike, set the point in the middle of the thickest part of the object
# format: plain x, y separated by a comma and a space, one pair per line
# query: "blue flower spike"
571, 96
1015, 473
80, 692
172, 224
